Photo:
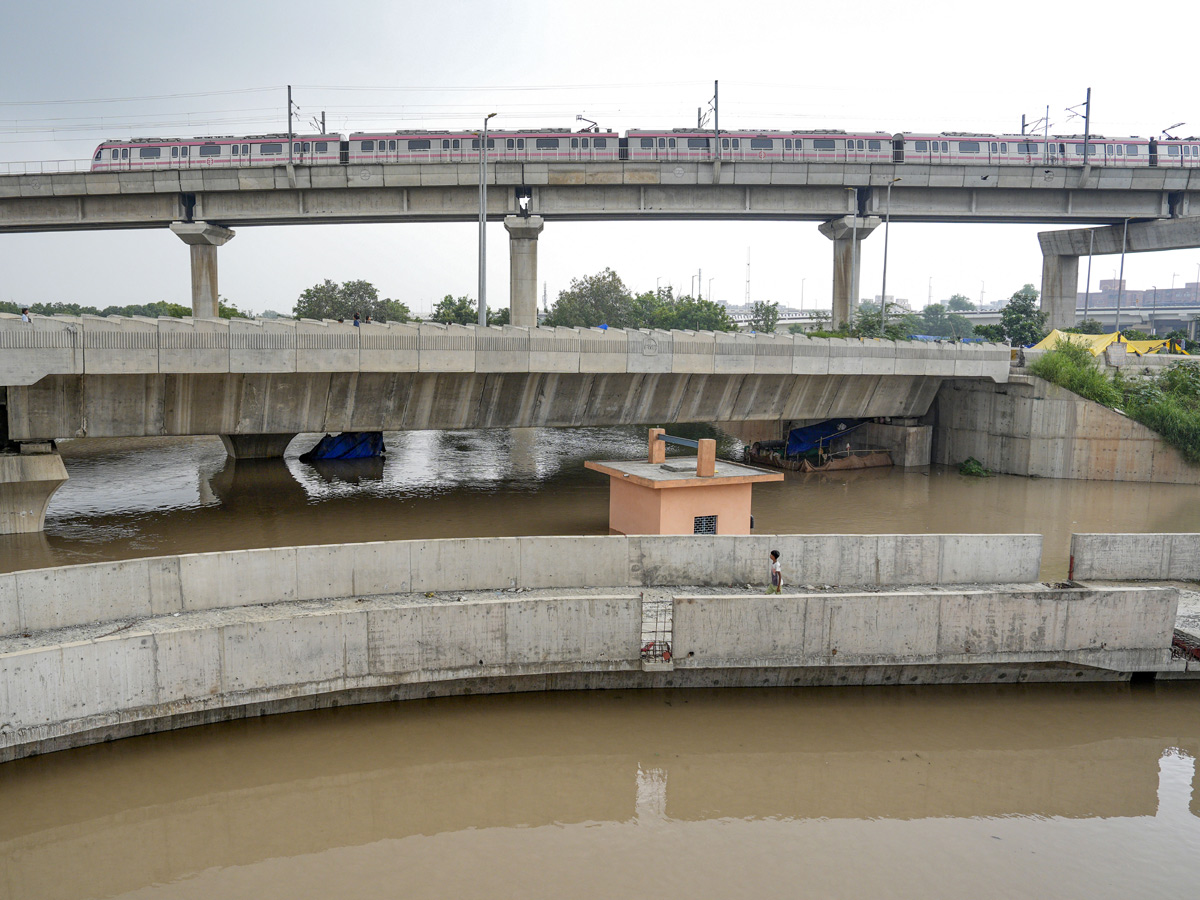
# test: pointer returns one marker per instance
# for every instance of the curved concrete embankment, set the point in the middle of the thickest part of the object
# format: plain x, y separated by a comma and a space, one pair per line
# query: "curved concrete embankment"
90, 653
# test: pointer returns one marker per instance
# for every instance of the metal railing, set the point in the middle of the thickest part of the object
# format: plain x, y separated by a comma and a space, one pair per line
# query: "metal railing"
45, 166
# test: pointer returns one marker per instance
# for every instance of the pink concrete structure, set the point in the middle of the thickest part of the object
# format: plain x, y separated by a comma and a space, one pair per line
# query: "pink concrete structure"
680, 496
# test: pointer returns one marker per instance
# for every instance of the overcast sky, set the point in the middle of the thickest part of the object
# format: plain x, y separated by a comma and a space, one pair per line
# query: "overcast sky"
74, 73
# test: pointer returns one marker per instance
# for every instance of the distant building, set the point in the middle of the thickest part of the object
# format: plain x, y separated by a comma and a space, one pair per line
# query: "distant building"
1110, 288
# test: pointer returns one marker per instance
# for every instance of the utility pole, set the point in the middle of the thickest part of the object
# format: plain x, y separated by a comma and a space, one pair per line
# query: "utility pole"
483, 148
322, 121
289, 87
1087, 124
1087, 294
748, 276
716, 123
1121, 278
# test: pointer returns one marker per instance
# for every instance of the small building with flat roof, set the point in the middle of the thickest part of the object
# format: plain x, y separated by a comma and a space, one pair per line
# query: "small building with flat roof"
679, 495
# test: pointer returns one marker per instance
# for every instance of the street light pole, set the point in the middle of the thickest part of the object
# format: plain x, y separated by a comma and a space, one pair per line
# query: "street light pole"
1121, 278
853, 260
483, 221
886, 226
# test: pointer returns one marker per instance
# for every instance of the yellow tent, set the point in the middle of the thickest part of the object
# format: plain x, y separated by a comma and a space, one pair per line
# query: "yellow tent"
1097, 342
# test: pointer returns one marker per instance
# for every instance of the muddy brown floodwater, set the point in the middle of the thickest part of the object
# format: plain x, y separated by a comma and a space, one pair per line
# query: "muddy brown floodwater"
149, 497
983, 792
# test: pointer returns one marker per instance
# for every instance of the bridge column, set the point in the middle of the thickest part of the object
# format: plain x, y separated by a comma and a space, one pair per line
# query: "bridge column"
28, 479
256, 446
1060, 283
523, 233
847, 234
203, 240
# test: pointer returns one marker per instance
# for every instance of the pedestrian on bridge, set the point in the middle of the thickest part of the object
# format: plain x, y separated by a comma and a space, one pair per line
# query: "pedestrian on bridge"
25, 314
776, 574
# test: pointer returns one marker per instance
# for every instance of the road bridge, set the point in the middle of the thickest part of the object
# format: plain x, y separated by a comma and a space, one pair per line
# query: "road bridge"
202, 205
260, 382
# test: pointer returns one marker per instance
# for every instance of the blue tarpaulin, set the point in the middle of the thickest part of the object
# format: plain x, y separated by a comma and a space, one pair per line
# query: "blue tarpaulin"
810, 437
347, 445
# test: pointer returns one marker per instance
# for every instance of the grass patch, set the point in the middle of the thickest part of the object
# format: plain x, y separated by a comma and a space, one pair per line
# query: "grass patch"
1167, 403
973, 467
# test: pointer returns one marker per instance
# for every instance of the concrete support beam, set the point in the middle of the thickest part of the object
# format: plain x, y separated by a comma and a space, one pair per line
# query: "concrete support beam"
847, 234
1143, 237
523, 233
1060, 282
203, 240
256, 446
27, 482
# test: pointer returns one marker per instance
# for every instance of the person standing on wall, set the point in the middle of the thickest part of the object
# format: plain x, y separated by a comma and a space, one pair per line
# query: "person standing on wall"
776, 574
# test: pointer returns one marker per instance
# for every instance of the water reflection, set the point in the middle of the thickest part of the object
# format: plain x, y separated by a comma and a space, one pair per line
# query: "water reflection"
163, 496
1039, 791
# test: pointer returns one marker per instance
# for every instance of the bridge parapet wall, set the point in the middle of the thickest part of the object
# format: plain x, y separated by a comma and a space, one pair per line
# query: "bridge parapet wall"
1136, 557
93, 345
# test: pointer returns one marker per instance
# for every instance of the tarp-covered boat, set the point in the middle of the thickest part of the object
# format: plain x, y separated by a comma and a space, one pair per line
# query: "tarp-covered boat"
347, 445
818, 448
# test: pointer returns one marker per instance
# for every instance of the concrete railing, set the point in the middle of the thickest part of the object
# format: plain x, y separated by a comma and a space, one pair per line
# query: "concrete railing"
94, 345
1135, 557
68, 596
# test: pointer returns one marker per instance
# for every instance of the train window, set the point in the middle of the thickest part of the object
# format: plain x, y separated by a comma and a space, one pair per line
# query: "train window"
1108, 149
823, 144
175, 152
295, 147
574, 143
367, 147
849, 145
1003, 147
737, 143
1026, 147
1131, 149
124, 153
945, 146
149, 152
873, 145
245, 150
647, 143
214, 150
860, 145
274, 149
422, 145
968, 146
114, 154
391, 145
304, 147
1120, 149
757, 144
701, 143
1172, 150
510, 144
321, 147
787, 143
585, 143
920, 146
446, 144
600, 143
724, 143
662, 143
99, 153
671, 143
994, 147
521, 143
183, 151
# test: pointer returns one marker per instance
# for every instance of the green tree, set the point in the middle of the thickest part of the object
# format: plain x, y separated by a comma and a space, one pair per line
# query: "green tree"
991, 333
960, 303
453, 310
329, 300
1087, 326
935, 321
600, 299
960, 325
1023, 323
897, 326
764, 315
1133, 334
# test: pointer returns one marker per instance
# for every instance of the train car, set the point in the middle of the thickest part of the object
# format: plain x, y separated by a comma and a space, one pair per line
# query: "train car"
1181, 152
228, 151
533, 145
675, 144
806, 146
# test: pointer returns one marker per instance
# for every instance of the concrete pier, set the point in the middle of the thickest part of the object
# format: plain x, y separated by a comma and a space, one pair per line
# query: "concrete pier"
28, 479
1060, 281
203, 240
257, 446
847, 234
523, 233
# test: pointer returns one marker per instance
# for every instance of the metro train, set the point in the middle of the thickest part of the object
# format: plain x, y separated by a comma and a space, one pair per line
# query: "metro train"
679, 144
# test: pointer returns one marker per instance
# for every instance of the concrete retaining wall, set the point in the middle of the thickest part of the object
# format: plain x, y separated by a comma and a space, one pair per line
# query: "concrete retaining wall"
1119, 628
170, 666
68, 596
1136, 557
1032, 427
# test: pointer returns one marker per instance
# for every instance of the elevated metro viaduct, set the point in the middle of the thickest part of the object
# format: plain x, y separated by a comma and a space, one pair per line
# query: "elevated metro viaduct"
202, 205
258, 383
